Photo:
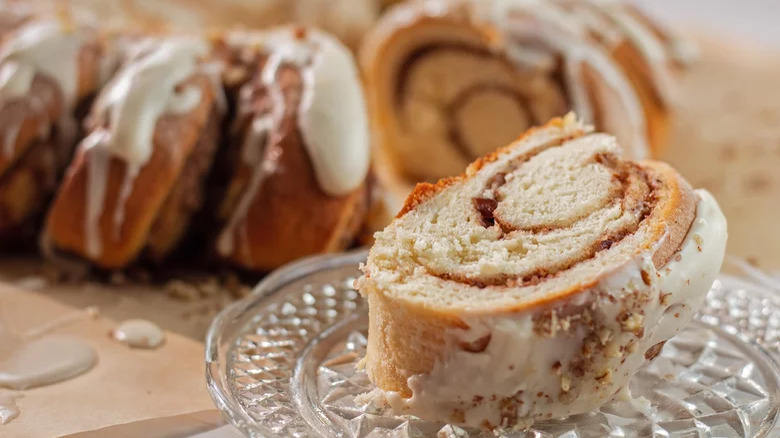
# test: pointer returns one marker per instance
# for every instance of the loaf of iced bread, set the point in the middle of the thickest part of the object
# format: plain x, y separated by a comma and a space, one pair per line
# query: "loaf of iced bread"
537, 283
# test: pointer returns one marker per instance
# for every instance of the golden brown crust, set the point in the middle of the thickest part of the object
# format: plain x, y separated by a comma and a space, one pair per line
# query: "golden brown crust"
658, 114
407, 341
175, 137
678, 213
424, 191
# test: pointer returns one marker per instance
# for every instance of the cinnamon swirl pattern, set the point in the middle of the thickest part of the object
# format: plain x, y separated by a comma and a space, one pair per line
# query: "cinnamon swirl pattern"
535, 285
449, 81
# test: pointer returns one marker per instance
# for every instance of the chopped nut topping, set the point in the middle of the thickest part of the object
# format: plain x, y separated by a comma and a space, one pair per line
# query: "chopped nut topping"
182, 290
477, 346
604, 335
645, 277
613, 351
604, 376
631, 322
654, 351
565, 383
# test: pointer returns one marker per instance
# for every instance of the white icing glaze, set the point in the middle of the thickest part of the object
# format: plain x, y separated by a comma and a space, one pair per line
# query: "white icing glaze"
139, 333
143, 90
46, 360
42, 47
254, 153
333, 119
519, 362
131, 173
8, 408
96, 192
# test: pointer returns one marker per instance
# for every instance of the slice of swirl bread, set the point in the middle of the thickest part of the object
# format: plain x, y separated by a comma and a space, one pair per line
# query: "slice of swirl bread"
537, 283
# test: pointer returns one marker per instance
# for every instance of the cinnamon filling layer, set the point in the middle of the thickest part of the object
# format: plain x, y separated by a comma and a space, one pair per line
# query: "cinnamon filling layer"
479, 98
516, 208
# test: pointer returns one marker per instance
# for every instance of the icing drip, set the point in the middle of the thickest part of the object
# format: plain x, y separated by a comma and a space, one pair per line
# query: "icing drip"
8, 408
139, 333
337, 141
574, 23
143, 90
40, 47
130, 105
96, 192
619, 84
131, 172
254, 145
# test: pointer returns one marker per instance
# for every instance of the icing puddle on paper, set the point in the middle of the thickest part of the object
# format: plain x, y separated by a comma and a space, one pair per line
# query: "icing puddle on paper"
39, 358
139, 333
46, 360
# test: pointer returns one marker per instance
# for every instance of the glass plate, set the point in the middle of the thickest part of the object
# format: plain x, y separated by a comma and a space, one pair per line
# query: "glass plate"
281, 362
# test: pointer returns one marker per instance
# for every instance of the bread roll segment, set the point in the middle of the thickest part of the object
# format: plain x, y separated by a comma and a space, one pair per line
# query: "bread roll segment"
47, 69
137, 176
537, 283
299, 186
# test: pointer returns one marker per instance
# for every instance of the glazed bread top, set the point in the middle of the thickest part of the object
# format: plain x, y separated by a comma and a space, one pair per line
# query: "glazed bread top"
302, 131
337, 141
143, 127
47, 67
537, 221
